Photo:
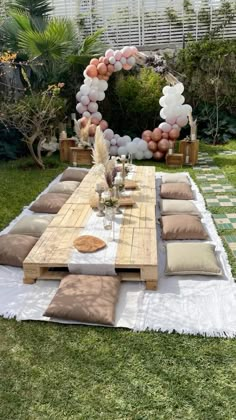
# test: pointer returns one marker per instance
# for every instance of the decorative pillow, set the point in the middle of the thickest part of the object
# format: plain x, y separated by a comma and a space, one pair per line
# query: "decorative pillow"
49, 203
191, 258
176, 191
177, 177
74, 174
64, 187
182, 226
169, 207
31, 225
89, 299
15, 248
88, 243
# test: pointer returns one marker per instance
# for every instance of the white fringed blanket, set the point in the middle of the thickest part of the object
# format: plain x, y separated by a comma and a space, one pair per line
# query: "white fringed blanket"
194, 304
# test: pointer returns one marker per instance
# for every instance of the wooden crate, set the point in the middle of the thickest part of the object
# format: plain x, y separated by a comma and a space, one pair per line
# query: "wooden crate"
190, 151
79, 156
65, 146
174, 160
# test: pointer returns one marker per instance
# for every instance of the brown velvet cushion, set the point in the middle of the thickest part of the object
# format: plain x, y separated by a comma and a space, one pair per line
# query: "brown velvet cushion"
177, 191
74, 174
88, 299
32, 225
182, 226
191, 258
49, 203
15, 248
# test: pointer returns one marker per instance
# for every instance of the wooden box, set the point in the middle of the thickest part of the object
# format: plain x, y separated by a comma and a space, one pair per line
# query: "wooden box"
65, 146
174, 160
190, 151
79, 156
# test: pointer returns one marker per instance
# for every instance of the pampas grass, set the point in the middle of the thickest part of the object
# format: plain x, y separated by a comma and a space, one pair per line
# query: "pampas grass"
82, 132
100, 153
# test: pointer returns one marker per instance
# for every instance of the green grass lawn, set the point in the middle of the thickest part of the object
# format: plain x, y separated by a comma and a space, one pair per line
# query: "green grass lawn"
65, 372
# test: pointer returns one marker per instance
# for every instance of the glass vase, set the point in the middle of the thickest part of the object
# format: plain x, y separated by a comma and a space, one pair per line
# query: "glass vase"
108, 217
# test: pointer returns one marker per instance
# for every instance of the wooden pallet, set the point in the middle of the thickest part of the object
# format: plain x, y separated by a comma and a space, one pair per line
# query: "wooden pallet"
136, 257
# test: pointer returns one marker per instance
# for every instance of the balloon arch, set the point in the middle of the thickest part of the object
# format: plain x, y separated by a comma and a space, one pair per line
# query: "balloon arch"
152, 144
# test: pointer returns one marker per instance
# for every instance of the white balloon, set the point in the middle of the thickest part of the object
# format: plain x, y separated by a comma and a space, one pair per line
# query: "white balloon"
123, 60
86, 114
165, 127
85, 100
131, 61
117, 66
108, 134
116, 136
101, 95
84, 89
109, 53
88, 81
132, 148
171, 121
108, 144
142, 145
148, 154
95, 82
113, 150
93, 107
182, 121
122, 150
103, 85
162, 101
113, 142
136, 140
97, 115
120, 141
176, 126
188, 108
163, 113
93, 95
127, 139
80, 108
78, 96
112, 60
179, 87
165, 90
139, 155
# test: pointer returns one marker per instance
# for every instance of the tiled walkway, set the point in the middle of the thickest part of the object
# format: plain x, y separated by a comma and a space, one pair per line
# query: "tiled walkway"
231, 241
225, 221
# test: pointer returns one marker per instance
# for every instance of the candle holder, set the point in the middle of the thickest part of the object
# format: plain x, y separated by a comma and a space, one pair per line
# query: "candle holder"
100, 189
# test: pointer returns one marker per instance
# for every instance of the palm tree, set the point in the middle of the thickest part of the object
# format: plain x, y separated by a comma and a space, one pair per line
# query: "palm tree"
35, 8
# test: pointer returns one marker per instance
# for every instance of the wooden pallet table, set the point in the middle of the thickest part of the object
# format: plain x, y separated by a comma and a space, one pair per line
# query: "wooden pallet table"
136, 258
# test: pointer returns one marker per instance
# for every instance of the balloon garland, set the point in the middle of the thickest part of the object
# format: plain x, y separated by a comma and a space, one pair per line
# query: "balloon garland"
153, 144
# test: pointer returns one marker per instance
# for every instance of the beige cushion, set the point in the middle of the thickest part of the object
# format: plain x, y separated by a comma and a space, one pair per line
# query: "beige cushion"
74, 174
169, 207
176, 191
64, 187
49, 203
89, 299
169, 178
182, 226
191, 258
15, 248
31, 225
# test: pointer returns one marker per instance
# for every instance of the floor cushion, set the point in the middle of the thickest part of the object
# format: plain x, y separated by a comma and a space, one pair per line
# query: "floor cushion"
176, 191
31, 225
182, 226
15, 248
169, 207
177, 177
74, 174
191, 258
84, 298
49, 203
64, 187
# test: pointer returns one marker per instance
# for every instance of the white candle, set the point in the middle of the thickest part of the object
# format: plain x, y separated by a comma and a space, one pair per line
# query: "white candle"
123, 158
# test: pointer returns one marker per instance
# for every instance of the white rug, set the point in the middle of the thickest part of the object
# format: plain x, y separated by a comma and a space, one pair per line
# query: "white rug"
196, 305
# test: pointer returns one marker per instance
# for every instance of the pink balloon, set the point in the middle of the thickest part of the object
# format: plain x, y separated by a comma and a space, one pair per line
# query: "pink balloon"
109, 53
165, 127
147, 135
174, 133
165, 135
118, 55
156, 134
126, 67
126, 52
163, 145
158, 155
182, 121
104, 125
133, 50
152, 145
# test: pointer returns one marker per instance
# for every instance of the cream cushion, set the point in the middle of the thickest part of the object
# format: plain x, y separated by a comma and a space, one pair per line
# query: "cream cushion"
74, 174
31, 225
177, 177
191, 258
64, 187
169, 207
84, 298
